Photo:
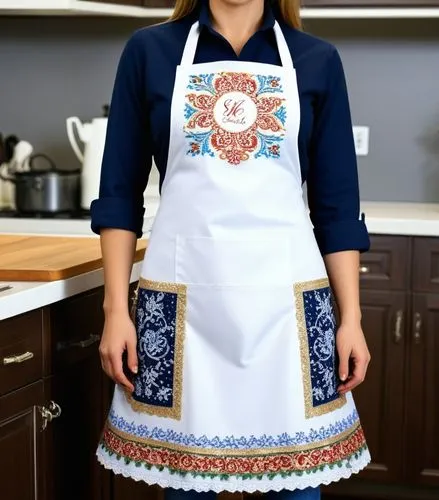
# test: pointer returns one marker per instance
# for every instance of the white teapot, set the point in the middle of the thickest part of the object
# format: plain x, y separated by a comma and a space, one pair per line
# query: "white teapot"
92, 135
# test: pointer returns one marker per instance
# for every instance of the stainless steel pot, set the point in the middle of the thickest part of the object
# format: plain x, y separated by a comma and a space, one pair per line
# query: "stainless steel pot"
46, 191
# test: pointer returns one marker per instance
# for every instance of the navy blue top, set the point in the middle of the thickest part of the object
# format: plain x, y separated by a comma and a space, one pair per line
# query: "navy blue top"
139, 120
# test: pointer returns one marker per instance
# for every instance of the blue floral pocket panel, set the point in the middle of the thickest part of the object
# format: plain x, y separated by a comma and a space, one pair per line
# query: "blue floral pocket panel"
317, 330
159, 316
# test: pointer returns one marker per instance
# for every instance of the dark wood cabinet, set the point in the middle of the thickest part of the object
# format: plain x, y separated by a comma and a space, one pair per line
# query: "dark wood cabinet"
50, 427
22, 449
380, 399
422, 447
78, 386
78, 391
399, 400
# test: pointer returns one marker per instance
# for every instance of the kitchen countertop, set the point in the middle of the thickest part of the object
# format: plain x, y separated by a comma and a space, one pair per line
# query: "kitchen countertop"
411, 219
407, 219
68, 227
28, 295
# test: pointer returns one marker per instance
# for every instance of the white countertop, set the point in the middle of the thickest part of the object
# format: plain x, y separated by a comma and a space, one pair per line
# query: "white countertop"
409, 219
412, 219
69, 227
28, 295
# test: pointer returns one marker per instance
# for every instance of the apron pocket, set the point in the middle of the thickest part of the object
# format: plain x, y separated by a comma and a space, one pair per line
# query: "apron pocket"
239, 327
316, 325
159, 317
213, 261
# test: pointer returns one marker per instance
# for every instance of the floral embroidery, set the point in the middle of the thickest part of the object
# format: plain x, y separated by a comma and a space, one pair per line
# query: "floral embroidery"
235, 116
160, 328
251, 465
314, 436
317, 330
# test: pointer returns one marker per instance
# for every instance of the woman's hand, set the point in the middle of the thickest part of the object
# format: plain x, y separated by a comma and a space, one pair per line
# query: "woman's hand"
353, 355
119, 335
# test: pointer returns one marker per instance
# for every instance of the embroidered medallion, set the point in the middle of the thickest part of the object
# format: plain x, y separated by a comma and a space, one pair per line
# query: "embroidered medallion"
235, 116
160, 323
317, 330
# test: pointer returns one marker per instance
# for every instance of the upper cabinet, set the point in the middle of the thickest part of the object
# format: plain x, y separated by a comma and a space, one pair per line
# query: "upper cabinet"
122, 8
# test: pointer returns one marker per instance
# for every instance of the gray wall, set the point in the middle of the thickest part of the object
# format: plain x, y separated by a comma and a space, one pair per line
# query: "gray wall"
52, 68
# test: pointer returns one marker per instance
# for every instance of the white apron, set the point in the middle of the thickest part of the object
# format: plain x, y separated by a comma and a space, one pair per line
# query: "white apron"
237, 378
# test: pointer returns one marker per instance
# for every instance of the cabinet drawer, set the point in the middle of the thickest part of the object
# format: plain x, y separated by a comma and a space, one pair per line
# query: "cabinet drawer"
21, 351
426, 265
76, 327
386, 265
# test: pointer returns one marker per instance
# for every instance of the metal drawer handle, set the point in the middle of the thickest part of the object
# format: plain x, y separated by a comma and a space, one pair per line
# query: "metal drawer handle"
55, 409
48, 414
45, 415
418, 328
364, 269
93, 339
19, 358
397, 335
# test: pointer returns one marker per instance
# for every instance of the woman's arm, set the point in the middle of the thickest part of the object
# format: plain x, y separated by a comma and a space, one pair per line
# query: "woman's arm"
118, 248
343, 272
117, 215
333, 196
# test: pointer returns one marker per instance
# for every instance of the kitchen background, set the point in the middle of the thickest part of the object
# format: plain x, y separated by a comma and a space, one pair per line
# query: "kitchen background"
53, 68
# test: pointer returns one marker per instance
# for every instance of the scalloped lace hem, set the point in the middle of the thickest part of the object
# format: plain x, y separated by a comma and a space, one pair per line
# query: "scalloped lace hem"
168, 480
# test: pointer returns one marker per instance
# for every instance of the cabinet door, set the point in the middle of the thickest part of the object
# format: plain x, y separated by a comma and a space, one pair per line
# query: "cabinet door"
79, 387
380, 398
423, 392
22, 458
426, 265
79, 391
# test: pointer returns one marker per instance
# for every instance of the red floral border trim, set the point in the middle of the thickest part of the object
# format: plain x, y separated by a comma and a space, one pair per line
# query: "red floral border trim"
275, 463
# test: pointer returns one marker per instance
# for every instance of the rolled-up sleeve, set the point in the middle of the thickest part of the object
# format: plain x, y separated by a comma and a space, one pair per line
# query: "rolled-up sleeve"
332, 181
127, 155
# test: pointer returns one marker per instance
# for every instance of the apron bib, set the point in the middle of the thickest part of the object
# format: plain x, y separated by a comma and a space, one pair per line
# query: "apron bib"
237, 378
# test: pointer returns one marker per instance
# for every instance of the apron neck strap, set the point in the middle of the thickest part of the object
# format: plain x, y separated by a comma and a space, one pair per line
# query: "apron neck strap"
190, 47
187, 59
282, 46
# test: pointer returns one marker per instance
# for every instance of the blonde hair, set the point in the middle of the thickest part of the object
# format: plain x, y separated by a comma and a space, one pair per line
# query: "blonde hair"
290, 10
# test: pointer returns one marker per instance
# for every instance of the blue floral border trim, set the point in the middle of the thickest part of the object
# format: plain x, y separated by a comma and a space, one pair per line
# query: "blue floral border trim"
232, 442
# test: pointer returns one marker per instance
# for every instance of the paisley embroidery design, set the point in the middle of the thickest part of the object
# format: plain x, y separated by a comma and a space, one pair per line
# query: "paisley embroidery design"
160, 324
235, 116
317, 331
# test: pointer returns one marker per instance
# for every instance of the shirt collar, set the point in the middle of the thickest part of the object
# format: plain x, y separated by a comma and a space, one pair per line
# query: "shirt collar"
267, 22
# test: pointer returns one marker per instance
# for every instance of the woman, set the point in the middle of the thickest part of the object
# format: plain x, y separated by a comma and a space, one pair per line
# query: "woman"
235, 380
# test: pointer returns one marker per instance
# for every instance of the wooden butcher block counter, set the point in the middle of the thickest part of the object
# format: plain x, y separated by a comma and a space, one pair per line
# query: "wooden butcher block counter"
51, 258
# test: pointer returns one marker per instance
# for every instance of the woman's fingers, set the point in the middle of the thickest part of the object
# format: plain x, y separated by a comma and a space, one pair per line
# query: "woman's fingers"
118, 374
132, 355
343, 368
105, 361
113, 367
358, 374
